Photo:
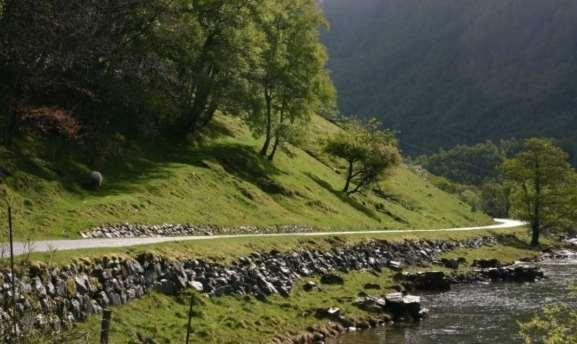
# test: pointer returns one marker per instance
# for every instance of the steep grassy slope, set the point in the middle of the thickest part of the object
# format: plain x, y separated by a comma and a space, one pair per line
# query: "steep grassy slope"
220, 181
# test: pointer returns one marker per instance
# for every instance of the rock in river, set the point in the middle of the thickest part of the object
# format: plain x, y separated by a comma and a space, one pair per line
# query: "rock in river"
404, 307
425, 281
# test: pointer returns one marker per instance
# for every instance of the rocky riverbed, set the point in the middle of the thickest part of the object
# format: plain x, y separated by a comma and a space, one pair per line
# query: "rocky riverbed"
483, 313
397, 307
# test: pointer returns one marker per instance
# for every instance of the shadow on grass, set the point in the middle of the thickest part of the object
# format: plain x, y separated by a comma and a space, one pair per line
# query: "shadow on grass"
245, 163
139, 162
20, 168
241, 161
47, 191
344, 197
514, 241
238, 160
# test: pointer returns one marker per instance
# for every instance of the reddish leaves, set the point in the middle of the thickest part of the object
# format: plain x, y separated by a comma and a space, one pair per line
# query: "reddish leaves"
49, 120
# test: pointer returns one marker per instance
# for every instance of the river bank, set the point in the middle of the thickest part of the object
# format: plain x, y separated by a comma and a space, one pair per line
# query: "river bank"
57, 297
479, 313
250, 318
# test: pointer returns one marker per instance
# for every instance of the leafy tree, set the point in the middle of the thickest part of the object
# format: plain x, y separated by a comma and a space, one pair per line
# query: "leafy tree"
290, 80
495, 198
368, 150
293, 132
544, 186
555, 325
207, 47
295, 116
118, 68
471, 165
469, 194
125, 64
65, 54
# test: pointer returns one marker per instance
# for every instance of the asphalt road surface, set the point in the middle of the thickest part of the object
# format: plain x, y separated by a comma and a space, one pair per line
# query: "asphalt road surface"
64, 245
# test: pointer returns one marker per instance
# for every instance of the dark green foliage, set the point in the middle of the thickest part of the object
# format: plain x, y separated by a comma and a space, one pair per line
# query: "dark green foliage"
544, 187
468, 194
472, 165
100, 73
78, 58
207, 48
495, 198
473, 174
457, 71
368, 151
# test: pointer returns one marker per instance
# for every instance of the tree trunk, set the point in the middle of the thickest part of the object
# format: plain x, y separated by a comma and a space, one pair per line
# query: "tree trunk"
356, 189
536, 225
208, 116
536, 232
197, 111
268, 132
11, 128
349, 177
274, 148
278, 136
201, 100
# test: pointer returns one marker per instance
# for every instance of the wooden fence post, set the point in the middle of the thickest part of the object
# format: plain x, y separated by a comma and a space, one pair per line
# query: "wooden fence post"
105, 326
13, 275
189, 326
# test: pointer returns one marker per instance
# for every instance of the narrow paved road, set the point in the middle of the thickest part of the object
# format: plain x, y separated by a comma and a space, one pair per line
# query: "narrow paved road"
63, 245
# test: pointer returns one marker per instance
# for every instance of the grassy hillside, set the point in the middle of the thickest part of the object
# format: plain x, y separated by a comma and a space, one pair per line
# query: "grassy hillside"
220, 180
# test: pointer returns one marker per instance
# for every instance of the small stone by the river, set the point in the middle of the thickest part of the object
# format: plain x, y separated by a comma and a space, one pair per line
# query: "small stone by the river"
332, 279
197, 286
330, 313
310, 286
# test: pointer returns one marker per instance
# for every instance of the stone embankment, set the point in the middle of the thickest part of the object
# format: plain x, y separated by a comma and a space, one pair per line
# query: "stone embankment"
441, 281
128, 230
401, 306
382, 309
50, 298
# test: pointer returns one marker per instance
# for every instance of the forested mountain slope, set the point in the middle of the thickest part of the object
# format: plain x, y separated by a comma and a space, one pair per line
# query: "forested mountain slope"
445, 72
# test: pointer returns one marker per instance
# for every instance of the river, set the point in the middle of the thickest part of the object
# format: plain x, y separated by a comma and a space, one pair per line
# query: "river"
479, 313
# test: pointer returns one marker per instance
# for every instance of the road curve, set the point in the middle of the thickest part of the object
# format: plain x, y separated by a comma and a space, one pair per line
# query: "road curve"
64, 245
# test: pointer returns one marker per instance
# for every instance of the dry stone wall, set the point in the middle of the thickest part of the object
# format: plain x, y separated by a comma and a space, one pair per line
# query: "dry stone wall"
129, 230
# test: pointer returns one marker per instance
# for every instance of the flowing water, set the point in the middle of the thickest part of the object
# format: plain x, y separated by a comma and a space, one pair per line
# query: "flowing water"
479, 313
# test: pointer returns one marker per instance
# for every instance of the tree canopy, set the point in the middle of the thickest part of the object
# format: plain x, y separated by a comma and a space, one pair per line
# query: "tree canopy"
544, 187
471, 165
291, 81
147, 67
368, 150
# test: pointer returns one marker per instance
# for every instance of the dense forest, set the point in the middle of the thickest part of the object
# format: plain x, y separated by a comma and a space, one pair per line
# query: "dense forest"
92, 75
450, 72
470, 165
